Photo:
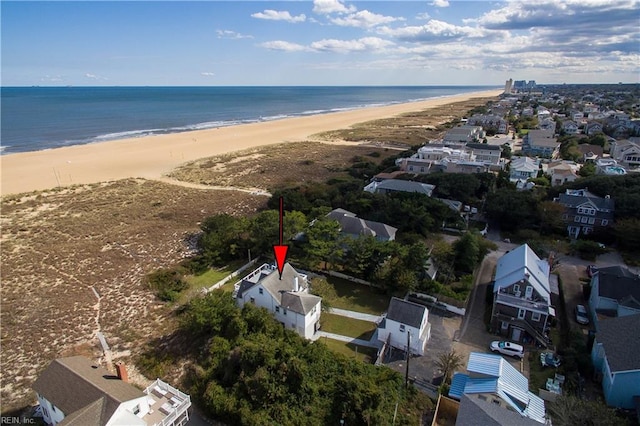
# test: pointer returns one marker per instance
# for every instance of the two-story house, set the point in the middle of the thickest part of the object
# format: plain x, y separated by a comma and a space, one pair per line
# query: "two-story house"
540, 143
77, 391
286, 296
626, 152
499, 387
485, 153
523, 168
615, 292
405, 323
615, 359
459, 136
585, 211
522, 305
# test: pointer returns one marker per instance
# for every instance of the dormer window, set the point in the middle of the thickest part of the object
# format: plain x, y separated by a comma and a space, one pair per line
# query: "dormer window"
516, 290
402, 328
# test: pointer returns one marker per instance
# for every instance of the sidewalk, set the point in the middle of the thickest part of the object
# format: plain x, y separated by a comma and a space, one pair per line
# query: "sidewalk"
356, 315
370, 343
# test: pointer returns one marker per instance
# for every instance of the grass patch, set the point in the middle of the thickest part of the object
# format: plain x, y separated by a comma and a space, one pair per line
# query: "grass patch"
362, 353
351, 327
538, 374
209, 278
343, 294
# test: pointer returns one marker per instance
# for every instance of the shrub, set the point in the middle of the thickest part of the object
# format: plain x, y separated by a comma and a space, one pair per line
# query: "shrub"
167, 283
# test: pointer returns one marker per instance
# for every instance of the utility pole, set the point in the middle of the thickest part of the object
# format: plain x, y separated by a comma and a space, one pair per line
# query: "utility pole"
406, 375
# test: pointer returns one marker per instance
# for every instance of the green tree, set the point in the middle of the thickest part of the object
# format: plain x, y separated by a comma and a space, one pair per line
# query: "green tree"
627, 233
448, 363
223, 238
569, 410
588, 169
209, 314
323, 241
466, 253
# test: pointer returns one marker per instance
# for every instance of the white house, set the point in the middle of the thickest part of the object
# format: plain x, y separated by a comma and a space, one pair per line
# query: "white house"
286, 297
77, 391
406, 322
523, 168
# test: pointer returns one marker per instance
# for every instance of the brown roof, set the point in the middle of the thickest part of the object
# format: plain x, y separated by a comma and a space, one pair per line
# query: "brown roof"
586, 148
76, 383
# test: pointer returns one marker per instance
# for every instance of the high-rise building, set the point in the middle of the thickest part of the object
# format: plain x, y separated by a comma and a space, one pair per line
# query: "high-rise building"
507, 86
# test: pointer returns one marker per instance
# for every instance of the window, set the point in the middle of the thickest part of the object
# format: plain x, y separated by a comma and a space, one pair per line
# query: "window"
605, 222
516, 289
402, 328
521, 313
528, 292
277, 308
136, 409
260, 290
592, 220
284, 311
252, 300
576, 219
535, 316
584, 219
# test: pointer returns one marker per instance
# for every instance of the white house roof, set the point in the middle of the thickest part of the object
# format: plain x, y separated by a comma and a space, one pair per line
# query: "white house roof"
522, 264
524, 164
488, 373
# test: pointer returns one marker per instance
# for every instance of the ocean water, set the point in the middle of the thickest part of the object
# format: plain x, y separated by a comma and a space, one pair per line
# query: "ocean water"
37, 118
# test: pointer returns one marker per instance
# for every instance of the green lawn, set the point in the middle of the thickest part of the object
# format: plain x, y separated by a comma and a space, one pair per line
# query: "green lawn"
209, 278
351, 327
362, 353
343, 294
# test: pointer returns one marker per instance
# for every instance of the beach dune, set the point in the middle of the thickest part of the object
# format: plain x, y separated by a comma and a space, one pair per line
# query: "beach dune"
152, 157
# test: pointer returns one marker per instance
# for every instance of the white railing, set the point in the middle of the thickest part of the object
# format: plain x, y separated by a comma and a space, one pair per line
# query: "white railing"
180, 410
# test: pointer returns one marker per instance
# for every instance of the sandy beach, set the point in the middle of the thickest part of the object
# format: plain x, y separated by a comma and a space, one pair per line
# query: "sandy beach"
154, 156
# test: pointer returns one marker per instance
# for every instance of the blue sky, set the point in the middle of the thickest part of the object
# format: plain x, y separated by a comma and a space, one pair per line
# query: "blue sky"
321, 42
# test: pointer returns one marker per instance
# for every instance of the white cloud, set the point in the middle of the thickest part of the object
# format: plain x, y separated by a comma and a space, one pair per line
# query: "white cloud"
434, 30
364, 19
279, 15
346, 46
423, 16
52, 78
326, 7
440, 3
231, 35
95, 77
283, 45
207, 74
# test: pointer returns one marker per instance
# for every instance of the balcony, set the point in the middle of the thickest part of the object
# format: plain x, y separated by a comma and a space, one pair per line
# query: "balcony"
532, 305
168, 406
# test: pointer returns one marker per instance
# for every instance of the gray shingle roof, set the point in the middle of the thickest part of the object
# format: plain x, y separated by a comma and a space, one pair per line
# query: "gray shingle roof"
618, 283
281, 289
483, 146
405, 186
352, 225
621, 341
76, 383
578, 197
474, 411
406, 312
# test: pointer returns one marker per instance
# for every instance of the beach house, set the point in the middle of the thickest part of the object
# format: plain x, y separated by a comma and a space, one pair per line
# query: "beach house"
353, 226
405, 323
286, 296
585, 211
78, 391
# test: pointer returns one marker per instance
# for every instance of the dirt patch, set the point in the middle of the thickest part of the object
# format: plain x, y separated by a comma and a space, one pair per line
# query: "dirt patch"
57, 245
278, 165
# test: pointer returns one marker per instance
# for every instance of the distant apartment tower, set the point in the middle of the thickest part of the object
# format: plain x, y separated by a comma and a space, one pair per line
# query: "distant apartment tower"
507, 86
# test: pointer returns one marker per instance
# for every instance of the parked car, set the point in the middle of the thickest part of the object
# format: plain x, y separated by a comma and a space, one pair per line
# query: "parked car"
582, 317
591, 269
507, 348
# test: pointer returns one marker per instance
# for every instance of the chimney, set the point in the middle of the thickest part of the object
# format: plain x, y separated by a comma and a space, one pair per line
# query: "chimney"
121, 370
296, 286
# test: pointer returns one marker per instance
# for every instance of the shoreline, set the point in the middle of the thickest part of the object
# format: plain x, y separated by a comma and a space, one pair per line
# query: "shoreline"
152, 157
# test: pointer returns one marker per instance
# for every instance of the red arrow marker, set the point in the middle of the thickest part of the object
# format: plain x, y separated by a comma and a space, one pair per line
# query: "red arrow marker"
280, 251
